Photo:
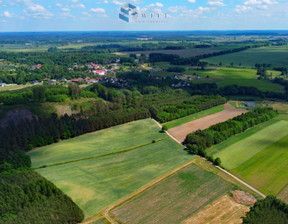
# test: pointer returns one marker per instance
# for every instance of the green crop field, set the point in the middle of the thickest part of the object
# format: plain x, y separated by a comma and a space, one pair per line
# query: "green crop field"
115, 139
277, 56
99, 168
238, 153
258, 156
193, 117
235, 76
95, 183
267, 170
174, 199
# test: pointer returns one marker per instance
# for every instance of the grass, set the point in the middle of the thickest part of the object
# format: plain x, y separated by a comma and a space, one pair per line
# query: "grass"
235, 76
233, 104
96, 183
9, 88
98, 143
267, 170
193, 117
236, 154
277, 56
230, 141
175, 198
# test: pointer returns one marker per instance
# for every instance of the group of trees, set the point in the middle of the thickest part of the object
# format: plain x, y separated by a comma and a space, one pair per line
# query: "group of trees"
26, 197
200, 140
167, 113
266, 211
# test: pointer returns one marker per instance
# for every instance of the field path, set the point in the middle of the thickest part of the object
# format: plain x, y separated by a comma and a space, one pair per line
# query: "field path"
183, 130
159, 125
242, 182
106, 211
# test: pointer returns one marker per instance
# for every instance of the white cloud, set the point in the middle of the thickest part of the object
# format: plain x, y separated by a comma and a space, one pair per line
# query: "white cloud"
74, 1
219, 3
59, 5
175, 9
67, 15
106, 2
117, 2
7, 14
255, 4
86, 14
242, 8
98, 10
80, 5
192, 1
36, 10
65, 9
158, 4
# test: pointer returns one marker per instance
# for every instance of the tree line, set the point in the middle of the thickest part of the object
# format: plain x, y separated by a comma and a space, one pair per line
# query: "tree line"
266, 211
171, 112
200, 140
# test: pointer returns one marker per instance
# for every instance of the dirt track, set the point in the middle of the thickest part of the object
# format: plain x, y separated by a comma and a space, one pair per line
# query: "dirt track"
182, 131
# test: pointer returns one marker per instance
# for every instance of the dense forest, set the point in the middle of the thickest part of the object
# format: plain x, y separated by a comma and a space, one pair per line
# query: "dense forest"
267, 211
26, 197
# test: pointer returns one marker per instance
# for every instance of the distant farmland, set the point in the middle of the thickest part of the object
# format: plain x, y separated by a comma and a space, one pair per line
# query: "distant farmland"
94, 183
277, 56
183, 52
235, 76
174, 199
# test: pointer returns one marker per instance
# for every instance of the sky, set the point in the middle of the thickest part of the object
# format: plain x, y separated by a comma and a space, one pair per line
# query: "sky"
103, 15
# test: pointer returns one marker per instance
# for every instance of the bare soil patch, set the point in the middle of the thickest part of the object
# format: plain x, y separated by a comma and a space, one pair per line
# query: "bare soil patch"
244, 198
224, 210
63, 109
182, 131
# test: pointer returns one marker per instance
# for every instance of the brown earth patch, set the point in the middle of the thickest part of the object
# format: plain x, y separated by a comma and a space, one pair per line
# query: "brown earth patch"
243, 198
182, 131
63, 109
224, 210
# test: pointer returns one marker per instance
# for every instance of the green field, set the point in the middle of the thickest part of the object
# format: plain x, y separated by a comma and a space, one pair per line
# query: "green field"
94, 183
235, 76
173, 199
115, 139
277, 56
236, 154
258, 156
192, 117
267, 170
6, 88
